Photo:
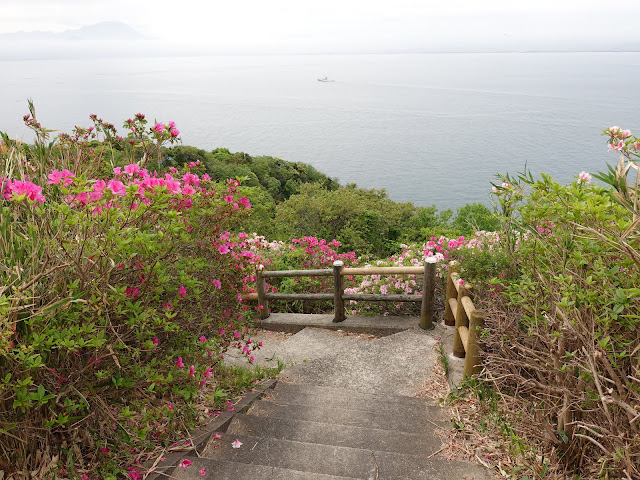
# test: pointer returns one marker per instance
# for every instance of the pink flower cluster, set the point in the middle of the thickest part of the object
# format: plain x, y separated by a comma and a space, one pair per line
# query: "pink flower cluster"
17, 190
622, 141
584, 177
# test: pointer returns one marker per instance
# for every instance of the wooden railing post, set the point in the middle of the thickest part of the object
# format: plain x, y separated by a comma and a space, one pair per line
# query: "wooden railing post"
449, 318
461, 321
428, 290
263, 305
338, 290
472, 362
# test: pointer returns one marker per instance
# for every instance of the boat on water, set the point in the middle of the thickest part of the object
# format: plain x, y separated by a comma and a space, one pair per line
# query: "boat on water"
325, 80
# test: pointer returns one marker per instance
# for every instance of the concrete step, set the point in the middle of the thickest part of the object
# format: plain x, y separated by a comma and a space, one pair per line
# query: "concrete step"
331, 434
224, 470
291, 393
415, 421
338, 461
306, 345
400, 364
294, 322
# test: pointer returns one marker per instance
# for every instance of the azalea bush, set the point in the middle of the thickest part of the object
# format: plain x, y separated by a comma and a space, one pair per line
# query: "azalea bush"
118, 296
562, 344
313, 253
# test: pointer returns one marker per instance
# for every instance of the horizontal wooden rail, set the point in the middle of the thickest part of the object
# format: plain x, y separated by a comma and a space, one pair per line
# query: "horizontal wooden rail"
372, 297
428, 271
299, 296
382, 271
461, 312
325, 272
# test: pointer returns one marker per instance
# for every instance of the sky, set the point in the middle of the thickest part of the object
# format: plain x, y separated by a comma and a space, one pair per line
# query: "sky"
326, 26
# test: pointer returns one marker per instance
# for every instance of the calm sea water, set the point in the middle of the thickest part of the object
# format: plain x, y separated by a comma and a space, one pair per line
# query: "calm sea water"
428, 128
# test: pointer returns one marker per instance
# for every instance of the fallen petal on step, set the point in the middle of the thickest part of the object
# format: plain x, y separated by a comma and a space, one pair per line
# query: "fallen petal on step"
236, 444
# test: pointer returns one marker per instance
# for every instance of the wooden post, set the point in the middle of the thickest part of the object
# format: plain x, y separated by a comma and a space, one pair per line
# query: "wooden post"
461, 321
338, 290
263, 305
472, 362
449, 318
428, 290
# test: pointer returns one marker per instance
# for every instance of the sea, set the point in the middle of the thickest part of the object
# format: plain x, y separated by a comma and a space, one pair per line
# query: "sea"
432, 129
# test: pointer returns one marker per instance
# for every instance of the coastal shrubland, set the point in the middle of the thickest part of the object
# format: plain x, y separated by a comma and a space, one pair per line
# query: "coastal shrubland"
561, 377
124, 258
123, 264
118, 300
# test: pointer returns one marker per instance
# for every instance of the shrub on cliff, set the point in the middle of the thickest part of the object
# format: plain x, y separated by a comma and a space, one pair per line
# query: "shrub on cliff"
562, 344
118, 297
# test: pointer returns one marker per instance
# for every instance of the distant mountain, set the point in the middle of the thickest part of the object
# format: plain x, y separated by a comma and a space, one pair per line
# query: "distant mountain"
98, 31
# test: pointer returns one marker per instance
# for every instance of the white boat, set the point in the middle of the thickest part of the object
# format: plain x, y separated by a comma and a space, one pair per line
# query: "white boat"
326, 80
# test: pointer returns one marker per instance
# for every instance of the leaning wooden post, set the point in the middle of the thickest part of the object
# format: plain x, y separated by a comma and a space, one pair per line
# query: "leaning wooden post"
428, 290
461, 320
472, 362
449, 318
338, 290
263, 305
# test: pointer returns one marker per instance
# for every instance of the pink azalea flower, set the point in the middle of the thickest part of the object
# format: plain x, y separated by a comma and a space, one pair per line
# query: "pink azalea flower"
179, 363
202, 339
236, 444
185, 463
223, 249
158, 127
131, 169
217, 283
117, 187
246, 203
584, 177
203, 472
117, 171
155, 340
17, 190
170, 406
175, 132
217, 436
192, 370
616, 147
207, 372
182, 291
251, 359
65, 175
228, 199
134, 474
188, 190
206, 177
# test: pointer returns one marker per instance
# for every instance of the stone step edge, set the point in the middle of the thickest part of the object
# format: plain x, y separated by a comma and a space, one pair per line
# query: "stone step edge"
200, 437
201, 462
247, 440
248, 418
437, 423
312, 388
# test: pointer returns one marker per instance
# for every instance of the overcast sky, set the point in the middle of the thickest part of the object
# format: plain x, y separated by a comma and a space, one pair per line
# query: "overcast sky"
343, 25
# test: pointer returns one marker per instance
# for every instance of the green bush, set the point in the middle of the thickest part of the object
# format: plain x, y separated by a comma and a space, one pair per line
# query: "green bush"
118, 297
562, 344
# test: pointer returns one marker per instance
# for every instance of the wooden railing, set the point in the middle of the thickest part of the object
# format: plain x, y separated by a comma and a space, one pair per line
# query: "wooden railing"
338, 272
461, 312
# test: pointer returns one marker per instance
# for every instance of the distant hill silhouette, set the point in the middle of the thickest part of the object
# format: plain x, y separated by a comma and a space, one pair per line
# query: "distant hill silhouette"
98, 31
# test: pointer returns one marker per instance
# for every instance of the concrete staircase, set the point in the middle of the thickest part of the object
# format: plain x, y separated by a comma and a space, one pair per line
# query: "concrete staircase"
300, 430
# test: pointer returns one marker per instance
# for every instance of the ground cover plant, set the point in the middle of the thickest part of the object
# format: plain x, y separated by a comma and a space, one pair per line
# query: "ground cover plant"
118, 297
561, 348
